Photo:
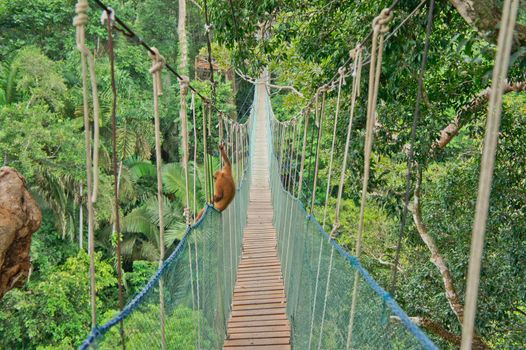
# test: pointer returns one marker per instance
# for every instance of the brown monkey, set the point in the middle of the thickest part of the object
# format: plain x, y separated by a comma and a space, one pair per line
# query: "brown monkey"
224, 186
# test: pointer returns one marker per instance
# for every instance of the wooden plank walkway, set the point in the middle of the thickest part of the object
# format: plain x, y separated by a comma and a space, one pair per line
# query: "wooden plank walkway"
259, 320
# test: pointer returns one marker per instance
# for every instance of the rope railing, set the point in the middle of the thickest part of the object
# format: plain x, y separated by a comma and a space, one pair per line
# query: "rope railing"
318, 313
190, 283
162, 285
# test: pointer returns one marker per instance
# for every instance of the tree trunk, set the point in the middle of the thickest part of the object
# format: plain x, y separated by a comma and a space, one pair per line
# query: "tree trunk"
183, 43
20, 217
484, 16
436, 258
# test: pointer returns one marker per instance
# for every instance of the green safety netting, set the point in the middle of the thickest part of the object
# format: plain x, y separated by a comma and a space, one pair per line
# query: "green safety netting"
320, 278
197, 280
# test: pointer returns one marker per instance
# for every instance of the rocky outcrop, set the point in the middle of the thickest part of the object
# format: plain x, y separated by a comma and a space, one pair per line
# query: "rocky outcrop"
19, 218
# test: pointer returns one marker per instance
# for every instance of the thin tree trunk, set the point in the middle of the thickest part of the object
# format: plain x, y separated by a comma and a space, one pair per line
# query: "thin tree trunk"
436, 258
183, 43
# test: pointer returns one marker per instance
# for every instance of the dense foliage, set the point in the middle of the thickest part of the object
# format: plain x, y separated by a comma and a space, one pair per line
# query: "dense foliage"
305, 42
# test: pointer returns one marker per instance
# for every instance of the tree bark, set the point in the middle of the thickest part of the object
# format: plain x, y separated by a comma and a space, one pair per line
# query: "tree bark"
20, 217
436, 258
463, 116
484, 16
181, 32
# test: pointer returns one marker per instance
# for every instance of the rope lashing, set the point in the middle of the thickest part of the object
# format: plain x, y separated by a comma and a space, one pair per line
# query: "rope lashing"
183, 89
356, 54
500, 71
410, 154
109, 17
157, 66
380, 27
80, 20
341, 82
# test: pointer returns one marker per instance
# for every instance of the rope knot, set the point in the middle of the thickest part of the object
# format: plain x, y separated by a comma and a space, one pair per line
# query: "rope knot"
187, 216
335, 229
341, 72
380, 22
158, 62
81, 18
183, 84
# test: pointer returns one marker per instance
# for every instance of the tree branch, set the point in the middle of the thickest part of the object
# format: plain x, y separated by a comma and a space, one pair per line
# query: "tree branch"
435, 328
477, 104
436, 258
274, 86
485, 16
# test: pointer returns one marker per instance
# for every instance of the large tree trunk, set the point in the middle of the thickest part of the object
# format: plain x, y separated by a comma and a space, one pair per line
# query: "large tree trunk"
19, 218
484, 16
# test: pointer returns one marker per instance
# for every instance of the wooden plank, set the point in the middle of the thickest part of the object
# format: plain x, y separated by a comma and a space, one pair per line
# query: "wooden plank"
258, 323
259, 335
250, 342
258, 312
260, 329
258, 306
261, 347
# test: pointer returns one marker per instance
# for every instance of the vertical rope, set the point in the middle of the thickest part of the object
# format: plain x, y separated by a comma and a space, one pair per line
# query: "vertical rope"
410, 153
108, 16
291, 190
190, 263
198, 296
355, 91
303, 150
205, 155
155, 70
325, 297
380, 27
79, 22
500, 70
341, 71
357, 73
183, 84
320, 131
194, 211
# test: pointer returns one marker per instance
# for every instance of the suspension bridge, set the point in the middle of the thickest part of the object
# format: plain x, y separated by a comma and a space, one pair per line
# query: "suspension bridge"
265, 274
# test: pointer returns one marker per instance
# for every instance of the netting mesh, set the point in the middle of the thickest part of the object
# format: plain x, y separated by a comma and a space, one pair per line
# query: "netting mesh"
321, 281
197, 280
